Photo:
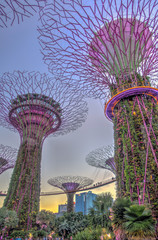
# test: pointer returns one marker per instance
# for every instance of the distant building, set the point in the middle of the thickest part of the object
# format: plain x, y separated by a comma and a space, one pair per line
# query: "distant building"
84, 201
62, 208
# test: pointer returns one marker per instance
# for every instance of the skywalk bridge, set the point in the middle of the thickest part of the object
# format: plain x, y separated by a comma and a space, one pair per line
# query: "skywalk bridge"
95, 185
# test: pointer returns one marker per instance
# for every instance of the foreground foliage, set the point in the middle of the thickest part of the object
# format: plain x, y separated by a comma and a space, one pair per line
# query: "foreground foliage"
139, 223
8, 220
132, 221
45, 220
118, 219
89, 234
70, 224
99, 214
126, 220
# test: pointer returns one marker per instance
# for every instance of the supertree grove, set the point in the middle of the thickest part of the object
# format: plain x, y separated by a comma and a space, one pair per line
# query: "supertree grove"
102, 158
8, 157
18, 10
35, 106
112, 45
70, 185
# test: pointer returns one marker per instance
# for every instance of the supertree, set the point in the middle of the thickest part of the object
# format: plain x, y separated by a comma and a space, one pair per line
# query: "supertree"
102, 158
34, 106
70, 185
7, 157
16, 10
112, 45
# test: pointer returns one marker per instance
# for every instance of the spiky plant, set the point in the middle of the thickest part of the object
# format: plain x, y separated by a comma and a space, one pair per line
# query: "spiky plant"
139, 223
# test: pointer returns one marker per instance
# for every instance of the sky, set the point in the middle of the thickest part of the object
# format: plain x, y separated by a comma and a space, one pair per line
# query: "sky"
20, 50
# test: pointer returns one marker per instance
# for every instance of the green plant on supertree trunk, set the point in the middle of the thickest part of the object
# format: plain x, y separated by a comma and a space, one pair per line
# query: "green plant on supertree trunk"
70, 202
135, 152
24, 189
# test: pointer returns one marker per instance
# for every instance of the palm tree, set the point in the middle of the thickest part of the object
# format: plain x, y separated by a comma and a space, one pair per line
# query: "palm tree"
103, 202
139, 223
99, 214
92, 217
118, 211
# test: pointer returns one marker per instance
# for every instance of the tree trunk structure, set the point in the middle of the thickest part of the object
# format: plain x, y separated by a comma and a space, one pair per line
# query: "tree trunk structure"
24, 189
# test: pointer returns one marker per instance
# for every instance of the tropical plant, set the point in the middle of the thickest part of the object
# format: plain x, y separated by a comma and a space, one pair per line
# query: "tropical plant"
92, 217
70, 223
139, 223
19, 234
46, 220
37, 234
41, 234
99, 214
118, 219
8, 220
103, 202
89, 234
64, 228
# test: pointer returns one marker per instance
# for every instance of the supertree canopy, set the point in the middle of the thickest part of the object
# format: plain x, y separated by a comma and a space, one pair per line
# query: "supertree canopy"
70, 185
102, 158
17, 10
113, 46
116, 38
8, 157
36, 107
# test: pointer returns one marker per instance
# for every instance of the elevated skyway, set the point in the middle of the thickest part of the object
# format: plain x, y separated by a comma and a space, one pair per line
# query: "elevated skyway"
95, 185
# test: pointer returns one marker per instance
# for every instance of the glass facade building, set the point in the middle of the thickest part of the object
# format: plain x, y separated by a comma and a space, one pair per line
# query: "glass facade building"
84, 201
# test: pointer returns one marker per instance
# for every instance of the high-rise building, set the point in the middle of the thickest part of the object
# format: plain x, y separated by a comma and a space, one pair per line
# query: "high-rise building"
84, 201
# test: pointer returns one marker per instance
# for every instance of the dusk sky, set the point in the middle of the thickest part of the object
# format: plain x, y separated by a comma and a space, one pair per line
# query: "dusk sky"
20, 50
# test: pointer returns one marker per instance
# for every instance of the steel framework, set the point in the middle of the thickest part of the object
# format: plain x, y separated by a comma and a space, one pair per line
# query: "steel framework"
82, 37
110, 48
102, 158
8, 157
17, 10
36, 107
70, 184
